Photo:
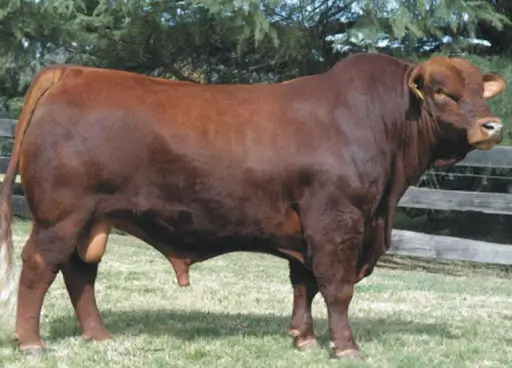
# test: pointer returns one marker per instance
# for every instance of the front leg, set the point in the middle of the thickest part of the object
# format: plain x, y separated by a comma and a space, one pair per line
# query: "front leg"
304, 290
334, 236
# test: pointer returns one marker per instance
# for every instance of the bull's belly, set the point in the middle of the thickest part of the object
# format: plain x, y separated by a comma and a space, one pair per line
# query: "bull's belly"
189, 235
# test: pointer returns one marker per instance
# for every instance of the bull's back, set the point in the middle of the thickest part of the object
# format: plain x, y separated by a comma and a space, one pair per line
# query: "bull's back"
250, 124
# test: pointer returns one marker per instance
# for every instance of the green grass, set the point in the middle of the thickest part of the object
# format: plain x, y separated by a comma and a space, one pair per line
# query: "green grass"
236, 314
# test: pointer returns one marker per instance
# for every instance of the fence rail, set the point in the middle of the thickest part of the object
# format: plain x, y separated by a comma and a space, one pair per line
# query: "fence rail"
404, 242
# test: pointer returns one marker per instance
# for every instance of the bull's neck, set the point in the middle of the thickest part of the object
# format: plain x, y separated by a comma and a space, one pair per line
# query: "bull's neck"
416, 140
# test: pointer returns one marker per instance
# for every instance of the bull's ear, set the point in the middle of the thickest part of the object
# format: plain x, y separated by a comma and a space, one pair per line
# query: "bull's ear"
416, 81
493, 84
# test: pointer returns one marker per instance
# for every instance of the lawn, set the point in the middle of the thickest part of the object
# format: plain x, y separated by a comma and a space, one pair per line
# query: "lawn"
236, 314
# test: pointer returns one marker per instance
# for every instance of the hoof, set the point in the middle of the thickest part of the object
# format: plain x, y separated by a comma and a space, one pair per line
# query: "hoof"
32, 350
306, 344
98, 337
349, 354
183, 281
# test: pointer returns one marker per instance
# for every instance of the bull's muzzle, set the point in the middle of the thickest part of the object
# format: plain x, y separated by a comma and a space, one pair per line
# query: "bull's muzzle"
485, 134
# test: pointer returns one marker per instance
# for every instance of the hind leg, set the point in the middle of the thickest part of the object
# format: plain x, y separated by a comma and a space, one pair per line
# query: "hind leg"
47, 250
42, 256
80, 273
80, 278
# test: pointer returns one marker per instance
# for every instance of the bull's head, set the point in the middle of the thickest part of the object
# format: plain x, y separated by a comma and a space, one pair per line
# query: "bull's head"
454, 92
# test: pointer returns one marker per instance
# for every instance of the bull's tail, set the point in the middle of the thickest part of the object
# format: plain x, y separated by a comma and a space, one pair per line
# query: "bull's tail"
43, 81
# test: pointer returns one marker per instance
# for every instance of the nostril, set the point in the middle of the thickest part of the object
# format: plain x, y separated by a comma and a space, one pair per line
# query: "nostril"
488, 126
491, 126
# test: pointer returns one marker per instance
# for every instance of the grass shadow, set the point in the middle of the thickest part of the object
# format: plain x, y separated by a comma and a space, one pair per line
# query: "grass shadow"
191, 325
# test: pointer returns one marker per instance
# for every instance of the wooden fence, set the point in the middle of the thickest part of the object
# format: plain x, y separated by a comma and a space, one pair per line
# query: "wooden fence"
19, 205
407, 242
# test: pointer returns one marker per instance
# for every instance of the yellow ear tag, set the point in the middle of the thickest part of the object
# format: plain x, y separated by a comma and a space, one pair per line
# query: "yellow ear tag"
417, 92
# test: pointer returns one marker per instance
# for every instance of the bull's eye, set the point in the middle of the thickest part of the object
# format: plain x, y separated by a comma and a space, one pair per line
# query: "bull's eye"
442, 96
